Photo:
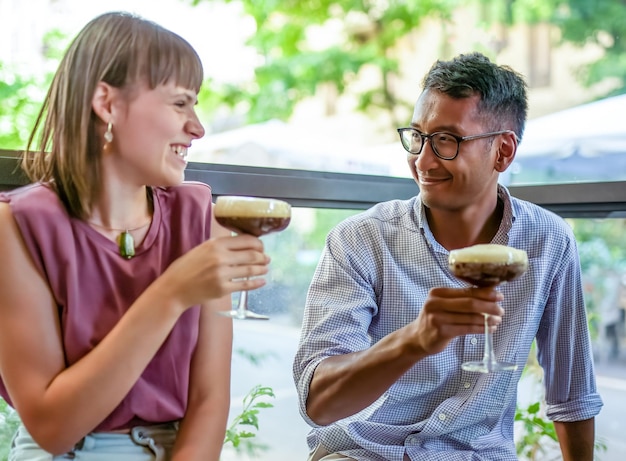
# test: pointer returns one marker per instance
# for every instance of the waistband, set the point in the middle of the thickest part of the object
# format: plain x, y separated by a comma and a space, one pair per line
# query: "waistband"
141, 443
158, 438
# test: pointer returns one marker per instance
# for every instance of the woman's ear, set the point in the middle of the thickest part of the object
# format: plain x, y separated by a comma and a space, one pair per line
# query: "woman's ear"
506, 151
102, 102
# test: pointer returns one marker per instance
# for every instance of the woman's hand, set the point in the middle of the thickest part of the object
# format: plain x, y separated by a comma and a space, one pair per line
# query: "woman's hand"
215, 268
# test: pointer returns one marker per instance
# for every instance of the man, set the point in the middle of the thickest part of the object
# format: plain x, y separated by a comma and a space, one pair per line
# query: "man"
387, 326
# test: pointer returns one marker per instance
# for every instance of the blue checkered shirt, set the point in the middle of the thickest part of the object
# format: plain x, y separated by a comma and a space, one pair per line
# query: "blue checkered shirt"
373, 278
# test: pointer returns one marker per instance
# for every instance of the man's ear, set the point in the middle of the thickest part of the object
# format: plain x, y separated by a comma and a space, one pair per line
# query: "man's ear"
506, 151
102, 102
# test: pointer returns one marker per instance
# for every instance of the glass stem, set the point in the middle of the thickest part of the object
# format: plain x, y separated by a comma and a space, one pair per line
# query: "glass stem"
242, 306
488, 357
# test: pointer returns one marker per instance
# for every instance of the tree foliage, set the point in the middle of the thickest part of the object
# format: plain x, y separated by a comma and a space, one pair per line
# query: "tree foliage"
365, 34
20, 100
580, 22
358, 33
601, 22
21, 95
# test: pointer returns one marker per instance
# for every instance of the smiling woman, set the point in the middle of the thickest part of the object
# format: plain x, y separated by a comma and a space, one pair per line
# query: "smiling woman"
126, 264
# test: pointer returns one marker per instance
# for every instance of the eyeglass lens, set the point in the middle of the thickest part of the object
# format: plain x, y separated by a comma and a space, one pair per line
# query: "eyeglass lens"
443, 144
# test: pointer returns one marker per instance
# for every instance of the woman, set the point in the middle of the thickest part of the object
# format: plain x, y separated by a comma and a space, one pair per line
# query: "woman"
113, 266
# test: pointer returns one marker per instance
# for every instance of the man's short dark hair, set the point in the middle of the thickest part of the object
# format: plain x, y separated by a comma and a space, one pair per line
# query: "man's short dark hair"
503, 103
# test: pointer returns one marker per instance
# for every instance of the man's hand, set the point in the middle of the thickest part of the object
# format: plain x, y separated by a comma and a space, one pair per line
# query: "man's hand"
452, 312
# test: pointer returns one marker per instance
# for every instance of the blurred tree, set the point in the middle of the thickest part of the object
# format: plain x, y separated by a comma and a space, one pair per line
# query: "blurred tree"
357, 33
581, 22
18, 109
363, 34
21, 95
603, 23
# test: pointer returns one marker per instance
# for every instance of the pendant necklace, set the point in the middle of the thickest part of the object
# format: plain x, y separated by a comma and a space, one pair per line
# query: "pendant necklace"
125, 241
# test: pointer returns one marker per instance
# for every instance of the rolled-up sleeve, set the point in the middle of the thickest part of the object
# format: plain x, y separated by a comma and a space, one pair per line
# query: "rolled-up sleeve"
339, 310
564, 346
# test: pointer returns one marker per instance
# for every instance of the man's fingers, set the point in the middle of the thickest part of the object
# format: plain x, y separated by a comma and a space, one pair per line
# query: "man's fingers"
486, 294
446, 318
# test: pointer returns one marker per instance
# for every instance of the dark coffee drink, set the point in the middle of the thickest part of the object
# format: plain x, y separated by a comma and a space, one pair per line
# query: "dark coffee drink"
254, 226
488, 265
252, 215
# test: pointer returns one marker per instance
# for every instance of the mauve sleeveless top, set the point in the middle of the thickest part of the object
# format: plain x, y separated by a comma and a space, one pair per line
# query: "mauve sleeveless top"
94, 286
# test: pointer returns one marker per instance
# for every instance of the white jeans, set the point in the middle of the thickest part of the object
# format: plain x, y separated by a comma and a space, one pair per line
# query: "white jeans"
150, 443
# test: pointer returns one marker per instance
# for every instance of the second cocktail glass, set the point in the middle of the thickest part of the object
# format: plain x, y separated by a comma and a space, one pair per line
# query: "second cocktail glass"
255, 216
488, 265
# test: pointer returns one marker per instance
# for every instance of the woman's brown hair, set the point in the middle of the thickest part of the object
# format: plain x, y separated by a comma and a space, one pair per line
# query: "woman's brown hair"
120, 49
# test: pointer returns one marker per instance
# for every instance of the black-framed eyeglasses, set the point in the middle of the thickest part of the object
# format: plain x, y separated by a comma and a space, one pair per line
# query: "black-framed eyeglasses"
445, 145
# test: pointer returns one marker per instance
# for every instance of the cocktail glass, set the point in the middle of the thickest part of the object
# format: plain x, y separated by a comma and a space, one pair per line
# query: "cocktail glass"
255, 216
488, 265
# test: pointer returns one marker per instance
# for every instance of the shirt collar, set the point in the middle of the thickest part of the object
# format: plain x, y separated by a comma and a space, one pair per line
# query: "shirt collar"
502, 236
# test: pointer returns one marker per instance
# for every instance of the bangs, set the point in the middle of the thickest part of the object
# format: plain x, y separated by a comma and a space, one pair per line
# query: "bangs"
150, 53
168, 58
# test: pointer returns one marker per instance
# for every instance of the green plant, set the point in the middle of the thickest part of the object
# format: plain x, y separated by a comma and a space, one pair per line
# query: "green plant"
9, 421
239, 433
539, 440
536, 438
536, 432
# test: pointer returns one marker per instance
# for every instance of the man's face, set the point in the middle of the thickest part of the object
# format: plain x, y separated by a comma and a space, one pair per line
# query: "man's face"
453, 185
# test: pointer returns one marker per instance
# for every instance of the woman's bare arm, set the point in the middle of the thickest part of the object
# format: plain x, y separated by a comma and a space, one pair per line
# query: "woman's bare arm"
202, 430
60, 405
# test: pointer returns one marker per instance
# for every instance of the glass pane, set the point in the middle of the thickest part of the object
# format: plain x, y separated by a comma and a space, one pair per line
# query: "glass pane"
603, 260
262, 111
263, 351
279, 144
584, 143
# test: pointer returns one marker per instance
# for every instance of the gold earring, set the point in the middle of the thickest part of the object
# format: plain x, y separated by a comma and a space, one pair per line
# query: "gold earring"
108, 134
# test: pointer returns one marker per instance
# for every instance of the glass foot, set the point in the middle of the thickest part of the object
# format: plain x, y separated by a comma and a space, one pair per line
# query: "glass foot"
486, 367
245, 315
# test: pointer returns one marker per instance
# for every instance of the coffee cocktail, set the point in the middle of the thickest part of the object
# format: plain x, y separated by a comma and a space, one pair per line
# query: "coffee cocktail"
252, 215
488, 264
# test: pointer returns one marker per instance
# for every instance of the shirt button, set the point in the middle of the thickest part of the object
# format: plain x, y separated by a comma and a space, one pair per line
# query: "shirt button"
473, 341
442, 416
466, 385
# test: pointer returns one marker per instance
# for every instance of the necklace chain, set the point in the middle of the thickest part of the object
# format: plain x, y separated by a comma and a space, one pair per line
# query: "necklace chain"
125, 240
112, 229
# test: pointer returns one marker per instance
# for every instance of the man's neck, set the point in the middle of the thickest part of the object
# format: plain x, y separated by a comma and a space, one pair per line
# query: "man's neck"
459, 229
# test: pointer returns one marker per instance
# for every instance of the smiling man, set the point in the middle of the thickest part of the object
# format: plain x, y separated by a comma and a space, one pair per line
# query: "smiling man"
387, 326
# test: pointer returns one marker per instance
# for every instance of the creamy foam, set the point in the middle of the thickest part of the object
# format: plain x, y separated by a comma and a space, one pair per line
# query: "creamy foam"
239, 206
488, 253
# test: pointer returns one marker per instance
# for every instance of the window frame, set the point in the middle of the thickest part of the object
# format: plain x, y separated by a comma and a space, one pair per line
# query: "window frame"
317, 189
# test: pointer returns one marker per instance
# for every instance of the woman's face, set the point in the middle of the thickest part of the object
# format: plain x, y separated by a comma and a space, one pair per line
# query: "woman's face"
153, 129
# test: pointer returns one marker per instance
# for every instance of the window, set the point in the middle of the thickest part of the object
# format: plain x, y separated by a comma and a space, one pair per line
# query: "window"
597, 211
